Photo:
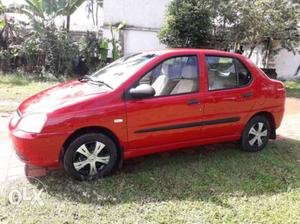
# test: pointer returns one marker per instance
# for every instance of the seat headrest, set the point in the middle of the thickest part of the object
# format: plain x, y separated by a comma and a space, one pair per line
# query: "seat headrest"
189, 72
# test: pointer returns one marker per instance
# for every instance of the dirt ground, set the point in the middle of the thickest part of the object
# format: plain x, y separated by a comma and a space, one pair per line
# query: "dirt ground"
292, 106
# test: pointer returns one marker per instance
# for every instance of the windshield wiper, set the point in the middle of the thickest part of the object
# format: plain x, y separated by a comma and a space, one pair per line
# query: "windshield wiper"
102, 83
85, 78
95, 81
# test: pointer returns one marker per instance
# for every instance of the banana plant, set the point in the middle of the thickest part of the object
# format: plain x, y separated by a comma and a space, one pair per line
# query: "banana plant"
67, 8
42, 13
116, 45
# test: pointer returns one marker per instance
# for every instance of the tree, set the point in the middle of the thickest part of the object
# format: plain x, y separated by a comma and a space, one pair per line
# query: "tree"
37, 12
187, 24
42, 13
194, 23
262, 20
92, 8
67, 8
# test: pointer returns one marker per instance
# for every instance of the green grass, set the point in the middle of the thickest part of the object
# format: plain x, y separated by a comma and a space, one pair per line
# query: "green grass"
293, 88
15, 88
212, 184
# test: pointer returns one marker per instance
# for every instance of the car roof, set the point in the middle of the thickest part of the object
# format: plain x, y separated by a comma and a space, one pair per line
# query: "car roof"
193, 50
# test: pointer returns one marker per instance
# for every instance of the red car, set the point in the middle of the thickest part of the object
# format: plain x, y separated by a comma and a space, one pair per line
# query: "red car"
147, 103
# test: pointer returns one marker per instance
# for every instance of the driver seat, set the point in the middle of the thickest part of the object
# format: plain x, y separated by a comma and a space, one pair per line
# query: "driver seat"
188, 83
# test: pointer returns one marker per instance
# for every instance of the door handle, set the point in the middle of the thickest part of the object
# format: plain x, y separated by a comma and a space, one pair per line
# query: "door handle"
193, 102
248, 94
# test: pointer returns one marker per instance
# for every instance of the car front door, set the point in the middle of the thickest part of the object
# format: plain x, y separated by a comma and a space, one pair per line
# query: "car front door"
230, 96
169, 117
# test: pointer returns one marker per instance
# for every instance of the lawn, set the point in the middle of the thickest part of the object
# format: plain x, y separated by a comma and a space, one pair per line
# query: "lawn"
15, 88
293, 88
211, 184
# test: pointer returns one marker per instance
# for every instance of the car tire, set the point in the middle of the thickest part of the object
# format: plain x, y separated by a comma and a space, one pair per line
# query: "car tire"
90, 156
256, 134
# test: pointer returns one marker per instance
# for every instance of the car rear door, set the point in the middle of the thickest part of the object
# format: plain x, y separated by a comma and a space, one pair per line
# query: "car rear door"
230, 96
171, 116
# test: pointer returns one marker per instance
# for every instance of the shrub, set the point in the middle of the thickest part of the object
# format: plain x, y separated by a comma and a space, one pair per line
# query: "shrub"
89, 49
187, 24
60, 51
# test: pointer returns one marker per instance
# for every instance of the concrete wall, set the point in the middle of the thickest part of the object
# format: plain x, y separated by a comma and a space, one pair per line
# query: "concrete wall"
285, 62
143, 21
139, 13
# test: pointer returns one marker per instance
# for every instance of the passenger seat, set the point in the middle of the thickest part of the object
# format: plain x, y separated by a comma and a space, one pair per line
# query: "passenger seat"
188, 83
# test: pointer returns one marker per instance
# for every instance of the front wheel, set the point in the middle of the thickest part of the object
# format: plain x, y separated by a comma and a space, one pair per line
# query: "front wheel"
256, 134
90, 156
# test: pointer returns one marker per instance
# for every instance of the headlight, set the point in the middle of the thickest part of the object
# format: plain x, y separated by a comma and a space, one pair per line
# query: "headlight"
14, 119
33, 123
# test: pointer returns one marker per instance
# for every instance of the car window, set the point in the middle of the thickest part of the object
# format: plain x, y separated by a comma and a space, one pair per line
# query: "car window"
122, 69
244, 76
226, 73
178, 75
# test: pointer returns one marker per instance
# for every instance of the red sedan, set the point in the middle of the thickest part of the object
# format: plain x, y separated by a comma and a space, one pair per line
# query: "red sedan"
146, 103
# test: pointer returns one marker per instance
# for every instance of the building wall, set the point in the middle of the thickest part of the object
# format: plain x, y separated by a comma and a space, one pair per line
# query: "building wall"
139, 13
285, 62
143, 21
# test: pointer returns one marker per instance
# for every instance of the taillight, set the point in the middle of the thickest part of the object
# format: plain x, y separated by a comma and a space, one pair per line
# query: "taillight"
279, 89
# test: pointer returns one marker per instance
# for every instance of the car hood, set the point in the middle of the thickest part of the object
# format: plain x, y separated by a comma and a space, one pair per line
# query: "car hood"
59, 96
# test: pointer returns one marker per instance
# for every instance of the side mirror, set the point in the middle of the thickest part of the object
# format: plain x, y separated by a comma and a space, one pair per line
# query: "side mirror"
142, 91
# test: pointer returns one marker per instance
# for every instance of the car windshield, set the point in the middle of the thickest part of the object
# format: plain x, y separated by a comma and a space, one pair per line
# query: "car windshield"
119, 71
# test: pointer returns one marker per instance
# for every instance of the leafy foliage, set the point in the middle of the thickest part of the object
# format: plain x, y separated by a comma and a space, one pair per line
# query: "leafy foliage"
261, 19
187, 24
91, 52
67, 8
60, 52
116, 46
44, 47
225, 23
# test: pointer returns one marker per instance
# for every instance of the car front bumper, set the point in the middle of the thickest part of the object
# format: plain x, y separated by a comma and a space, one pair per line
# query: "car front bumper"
38, 149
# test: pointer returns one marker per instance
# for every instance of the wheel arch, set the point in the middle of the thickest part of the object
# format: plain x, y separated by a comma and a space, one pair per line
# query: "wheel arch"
271, 119
94, 129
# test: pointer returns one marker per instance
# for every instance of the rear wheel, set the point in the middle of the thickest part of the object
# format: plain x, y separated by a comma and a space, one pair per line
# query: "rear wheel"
256, 134
90, 156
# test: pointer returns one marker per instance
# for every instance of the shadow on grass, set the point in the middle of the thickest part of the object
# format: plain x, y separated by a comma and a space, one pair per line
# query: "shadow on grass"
209, 173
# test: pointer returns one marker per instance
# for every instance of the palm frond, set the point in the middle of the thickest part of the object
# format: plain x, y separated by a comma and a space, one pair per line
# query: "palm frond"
70, 7
37, 7
20, 9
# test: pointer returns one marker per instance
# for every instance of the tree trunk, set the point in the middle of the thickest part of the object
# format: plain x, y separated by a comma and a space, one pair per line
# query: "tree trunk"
251, 51
268, 47
68, 23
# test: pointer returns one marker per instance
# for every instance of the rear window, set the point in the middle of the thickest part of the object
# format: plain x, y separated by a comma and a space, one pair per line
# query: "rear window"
226, 73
